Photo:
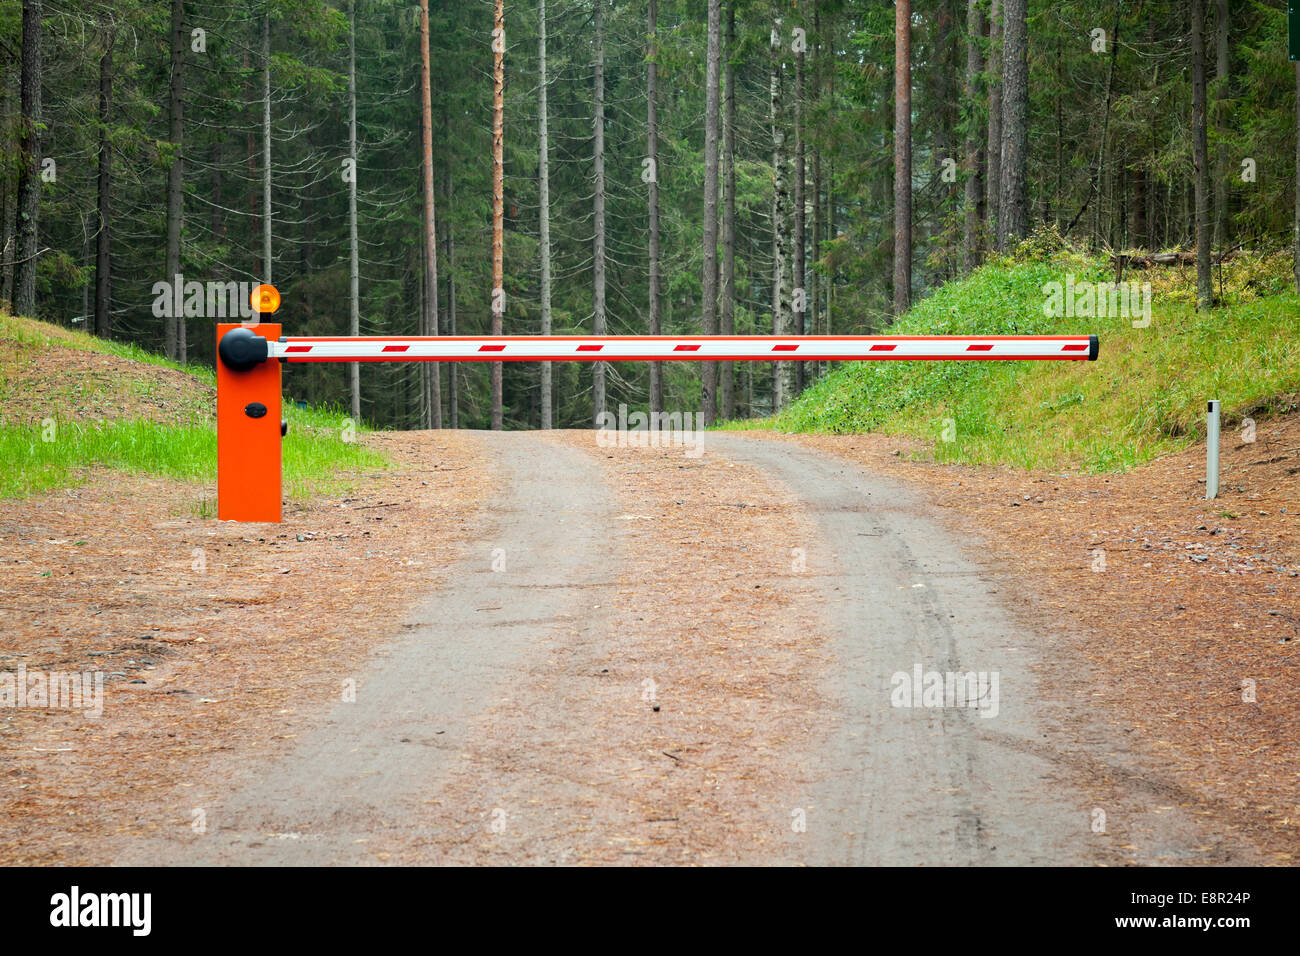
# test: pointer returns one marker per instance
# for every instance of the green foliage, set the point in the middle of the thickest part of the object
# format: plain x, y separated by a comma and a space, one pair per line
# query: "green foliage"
1145, 395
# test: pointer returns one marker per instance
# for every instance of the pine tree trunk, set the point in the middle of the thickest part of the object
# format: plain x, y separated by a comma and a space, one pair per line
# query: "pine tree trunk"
652, 147
176, 173
1221, 74
993, 177
828, 297
432, 397
1138, 238
828, 294
1200, 160
103, 235
783, 372
354, 260
29, 182
250, 140
947, 90
727, 306
902, 156
498, 205
975, 153
217, 221
9, 247
266, 149
800, 263
598, 265
1013, 220
453, 388
709, 284
544, 206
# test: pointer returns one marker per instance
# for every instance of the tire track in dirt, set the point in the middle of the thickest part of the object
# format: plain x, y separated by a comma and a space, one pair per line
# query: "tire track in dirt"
512, 721
672, 727
945, 785
353, 782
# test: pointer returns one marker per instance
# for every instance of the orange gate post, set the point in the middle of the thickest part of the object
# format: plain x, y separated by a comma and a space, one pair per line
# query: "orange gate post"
249, 428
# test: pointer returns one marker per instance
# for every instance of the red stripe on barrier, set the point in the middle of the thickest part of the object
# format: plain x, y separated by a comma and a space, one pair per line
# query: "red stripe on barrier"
298, 348
784, 348
979, 348
1074, 348
396, 348
590, 348
686, 348
491, 348
883, 348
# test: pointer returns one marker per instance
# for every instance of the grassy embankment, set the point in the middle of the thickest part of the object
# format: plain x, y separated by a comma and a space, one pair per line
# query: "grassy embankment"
1144, 397
70, 403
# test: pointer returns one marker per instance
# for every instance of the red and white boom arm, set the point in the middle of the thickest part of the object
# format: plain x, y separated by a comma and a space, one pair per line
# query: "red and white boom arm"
667, 348
249, 428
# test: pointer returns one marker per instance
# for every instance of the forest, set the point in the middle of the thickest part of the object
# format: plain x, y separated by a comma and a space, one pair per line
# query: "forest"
632, 167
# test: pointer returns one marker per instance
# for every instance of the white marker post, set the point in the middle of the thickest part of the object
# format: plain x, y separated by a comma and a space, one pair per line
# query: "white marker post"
1211, 450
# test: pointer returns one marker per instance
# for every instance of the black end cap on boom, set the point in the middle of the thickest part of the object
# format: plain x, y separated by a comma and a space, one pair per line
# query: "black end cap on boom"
1094, 348
242, 349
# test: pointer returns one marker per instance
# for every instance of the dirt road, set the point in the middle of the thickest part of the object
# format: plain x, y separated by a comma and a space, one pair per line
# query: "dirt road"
652, 656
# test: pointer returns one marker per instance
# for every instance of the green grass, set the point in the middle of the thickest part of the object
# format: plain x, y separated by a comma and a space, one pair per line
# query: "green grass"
316, 459
1144, 397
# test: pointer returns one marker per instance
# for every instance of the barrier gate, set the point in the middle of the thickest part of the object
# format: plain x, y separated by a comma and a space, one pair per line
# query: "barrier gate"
249, 427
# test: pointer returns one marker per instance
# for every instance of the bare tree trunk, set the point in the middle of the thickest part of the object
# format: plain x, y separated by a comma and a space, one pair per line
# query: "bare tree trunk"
727, 319
544, 204
453, 389
29, 182
103, 235
1057, 96
173, 329
800, 264
1221, 74
709, 283
498, 204
652, 147
1013, 216
250, 140
1200, 159
9, 249
782, 324
266, 148
598, 266
946, 85
354, 261
828, 305
975, 154
1140, 228
432, 385
902, 156
828, 295
993, 179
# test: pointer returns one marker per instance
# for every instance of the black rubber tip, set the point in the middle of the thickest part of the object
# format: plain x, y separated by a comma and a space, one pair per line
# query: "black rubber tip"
242, 349
1094, 347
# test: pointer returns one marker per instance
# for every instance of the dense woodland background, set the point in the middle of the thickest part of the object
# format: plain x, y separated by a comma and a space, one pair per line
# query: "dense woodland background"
213, 139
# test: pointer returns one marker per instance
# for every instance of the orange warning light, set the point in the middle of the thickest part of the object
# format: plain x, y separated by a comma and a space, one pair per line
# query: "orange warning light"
264, 299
